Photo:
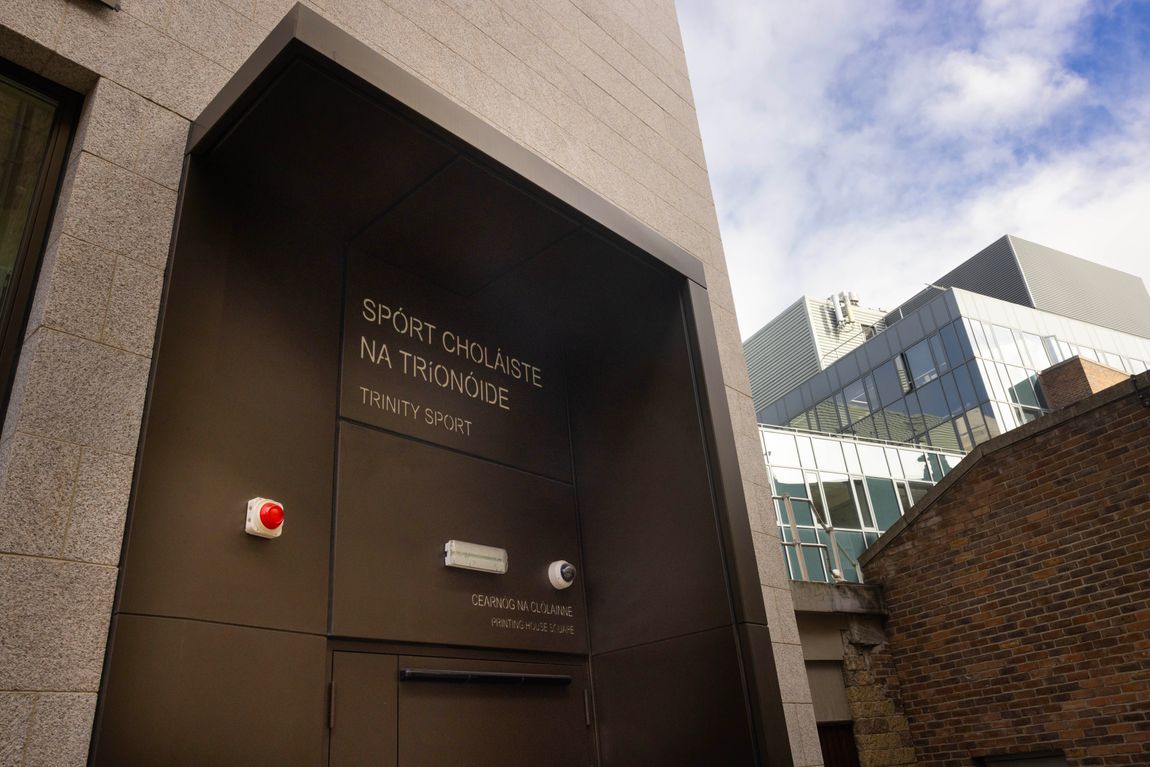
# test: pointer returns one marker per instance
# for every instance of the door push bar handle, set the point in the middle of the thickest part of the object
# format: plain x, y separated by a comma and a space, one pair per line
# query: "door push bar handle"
481, 677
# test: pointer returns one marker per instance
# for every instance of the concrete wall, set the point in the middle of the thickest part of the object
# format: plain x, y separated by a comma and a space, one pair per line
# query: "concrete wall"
597, 87
1017, 598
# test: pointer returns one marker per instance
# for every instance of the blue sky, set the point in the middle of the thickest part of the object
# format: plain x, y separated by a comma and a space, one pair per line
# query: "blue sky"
871, 145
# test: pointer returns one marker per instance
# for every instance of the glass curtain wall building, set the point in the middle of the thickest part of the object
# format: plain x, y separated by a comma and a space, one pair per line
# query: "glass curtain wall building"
954, 372
834, 496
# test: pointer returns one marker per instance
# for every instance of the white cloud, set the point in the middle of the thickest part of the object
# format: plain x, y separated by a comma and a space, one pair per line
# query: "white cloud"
870, 147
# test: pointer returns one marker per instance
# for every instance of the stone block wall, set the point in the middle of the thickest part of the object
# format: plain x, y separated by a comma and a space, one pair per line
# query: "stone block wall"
1017, 595
599, 88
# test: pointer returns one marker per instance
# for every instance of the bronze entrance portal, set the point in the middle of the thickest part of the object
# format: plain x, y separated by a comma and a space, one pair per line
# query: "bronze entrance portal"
490, 405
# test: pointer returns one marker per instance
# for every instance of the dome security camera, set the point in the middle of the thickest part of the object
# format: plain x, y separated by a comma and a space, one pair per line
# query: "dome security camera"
561, 573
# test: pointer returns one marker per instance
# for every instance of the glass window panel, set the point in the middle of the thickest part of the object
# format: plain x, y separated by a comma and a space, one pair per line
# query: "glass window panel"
873, 460
932, 403
806, 453
935, 466
1137, 366
1112, 360
792, 563
939, 353
816, 567
858, 407
883, 501
25, 133
981, 344
921, 364
841, 407
917, 421
1053, 350
887, 380
993, 427
863, 503
988, 374
1036, 350
865, 428
953, 399
904, 380
948, 463
828, 418
829, 455
918, 491
1088, 353
945, 437
1004, 416
853, 545
964, 342
954, 352
802, 511
966, 388
840, 502
799, 421
978, 430
816, 497
1004, 345
871, 393
894, 462
965, 438
899, 422
914, 465
781, 449
1021, 388
851, 453
903, 496
880, 426
789, 482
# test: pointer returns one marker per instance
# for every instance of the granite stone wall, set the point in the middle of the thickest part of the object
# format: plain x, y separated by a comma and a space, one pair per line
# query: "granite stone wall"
599, 88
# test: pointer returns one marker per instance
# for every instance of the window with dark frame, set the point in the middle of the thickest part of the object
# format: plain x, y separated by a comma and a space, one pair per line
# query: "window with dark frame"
37, 120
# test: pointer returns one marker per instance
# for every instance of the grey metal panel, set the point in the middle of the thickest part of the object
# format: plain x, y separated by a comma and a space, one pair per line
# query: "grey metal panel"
1074, 287
781, 355
835, 341
993, 271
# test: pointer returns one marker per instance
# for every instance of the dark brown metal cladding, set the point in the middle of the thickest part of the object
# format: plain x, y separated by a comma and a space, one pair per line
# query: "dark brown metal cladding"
399, 501
463, 210
730, 499
415, 356
674, 703
364, 715
626, 468
654, 564
192, 693
447, 724
250, 334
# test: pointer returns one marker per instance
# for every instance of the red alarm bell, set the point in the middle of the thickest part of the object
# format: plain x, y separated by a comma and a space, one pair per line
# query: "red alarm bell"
265, 518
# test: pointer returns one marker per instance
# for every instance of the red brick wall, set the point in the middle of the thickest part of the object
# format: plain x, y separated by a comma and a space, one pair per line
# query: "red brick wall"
1019, 599
1076, 379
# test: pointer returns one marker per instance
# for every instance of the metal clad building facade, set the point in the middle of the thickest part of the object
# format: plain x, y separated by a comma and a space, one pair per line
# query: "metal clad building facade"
1074, 287
804, 339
